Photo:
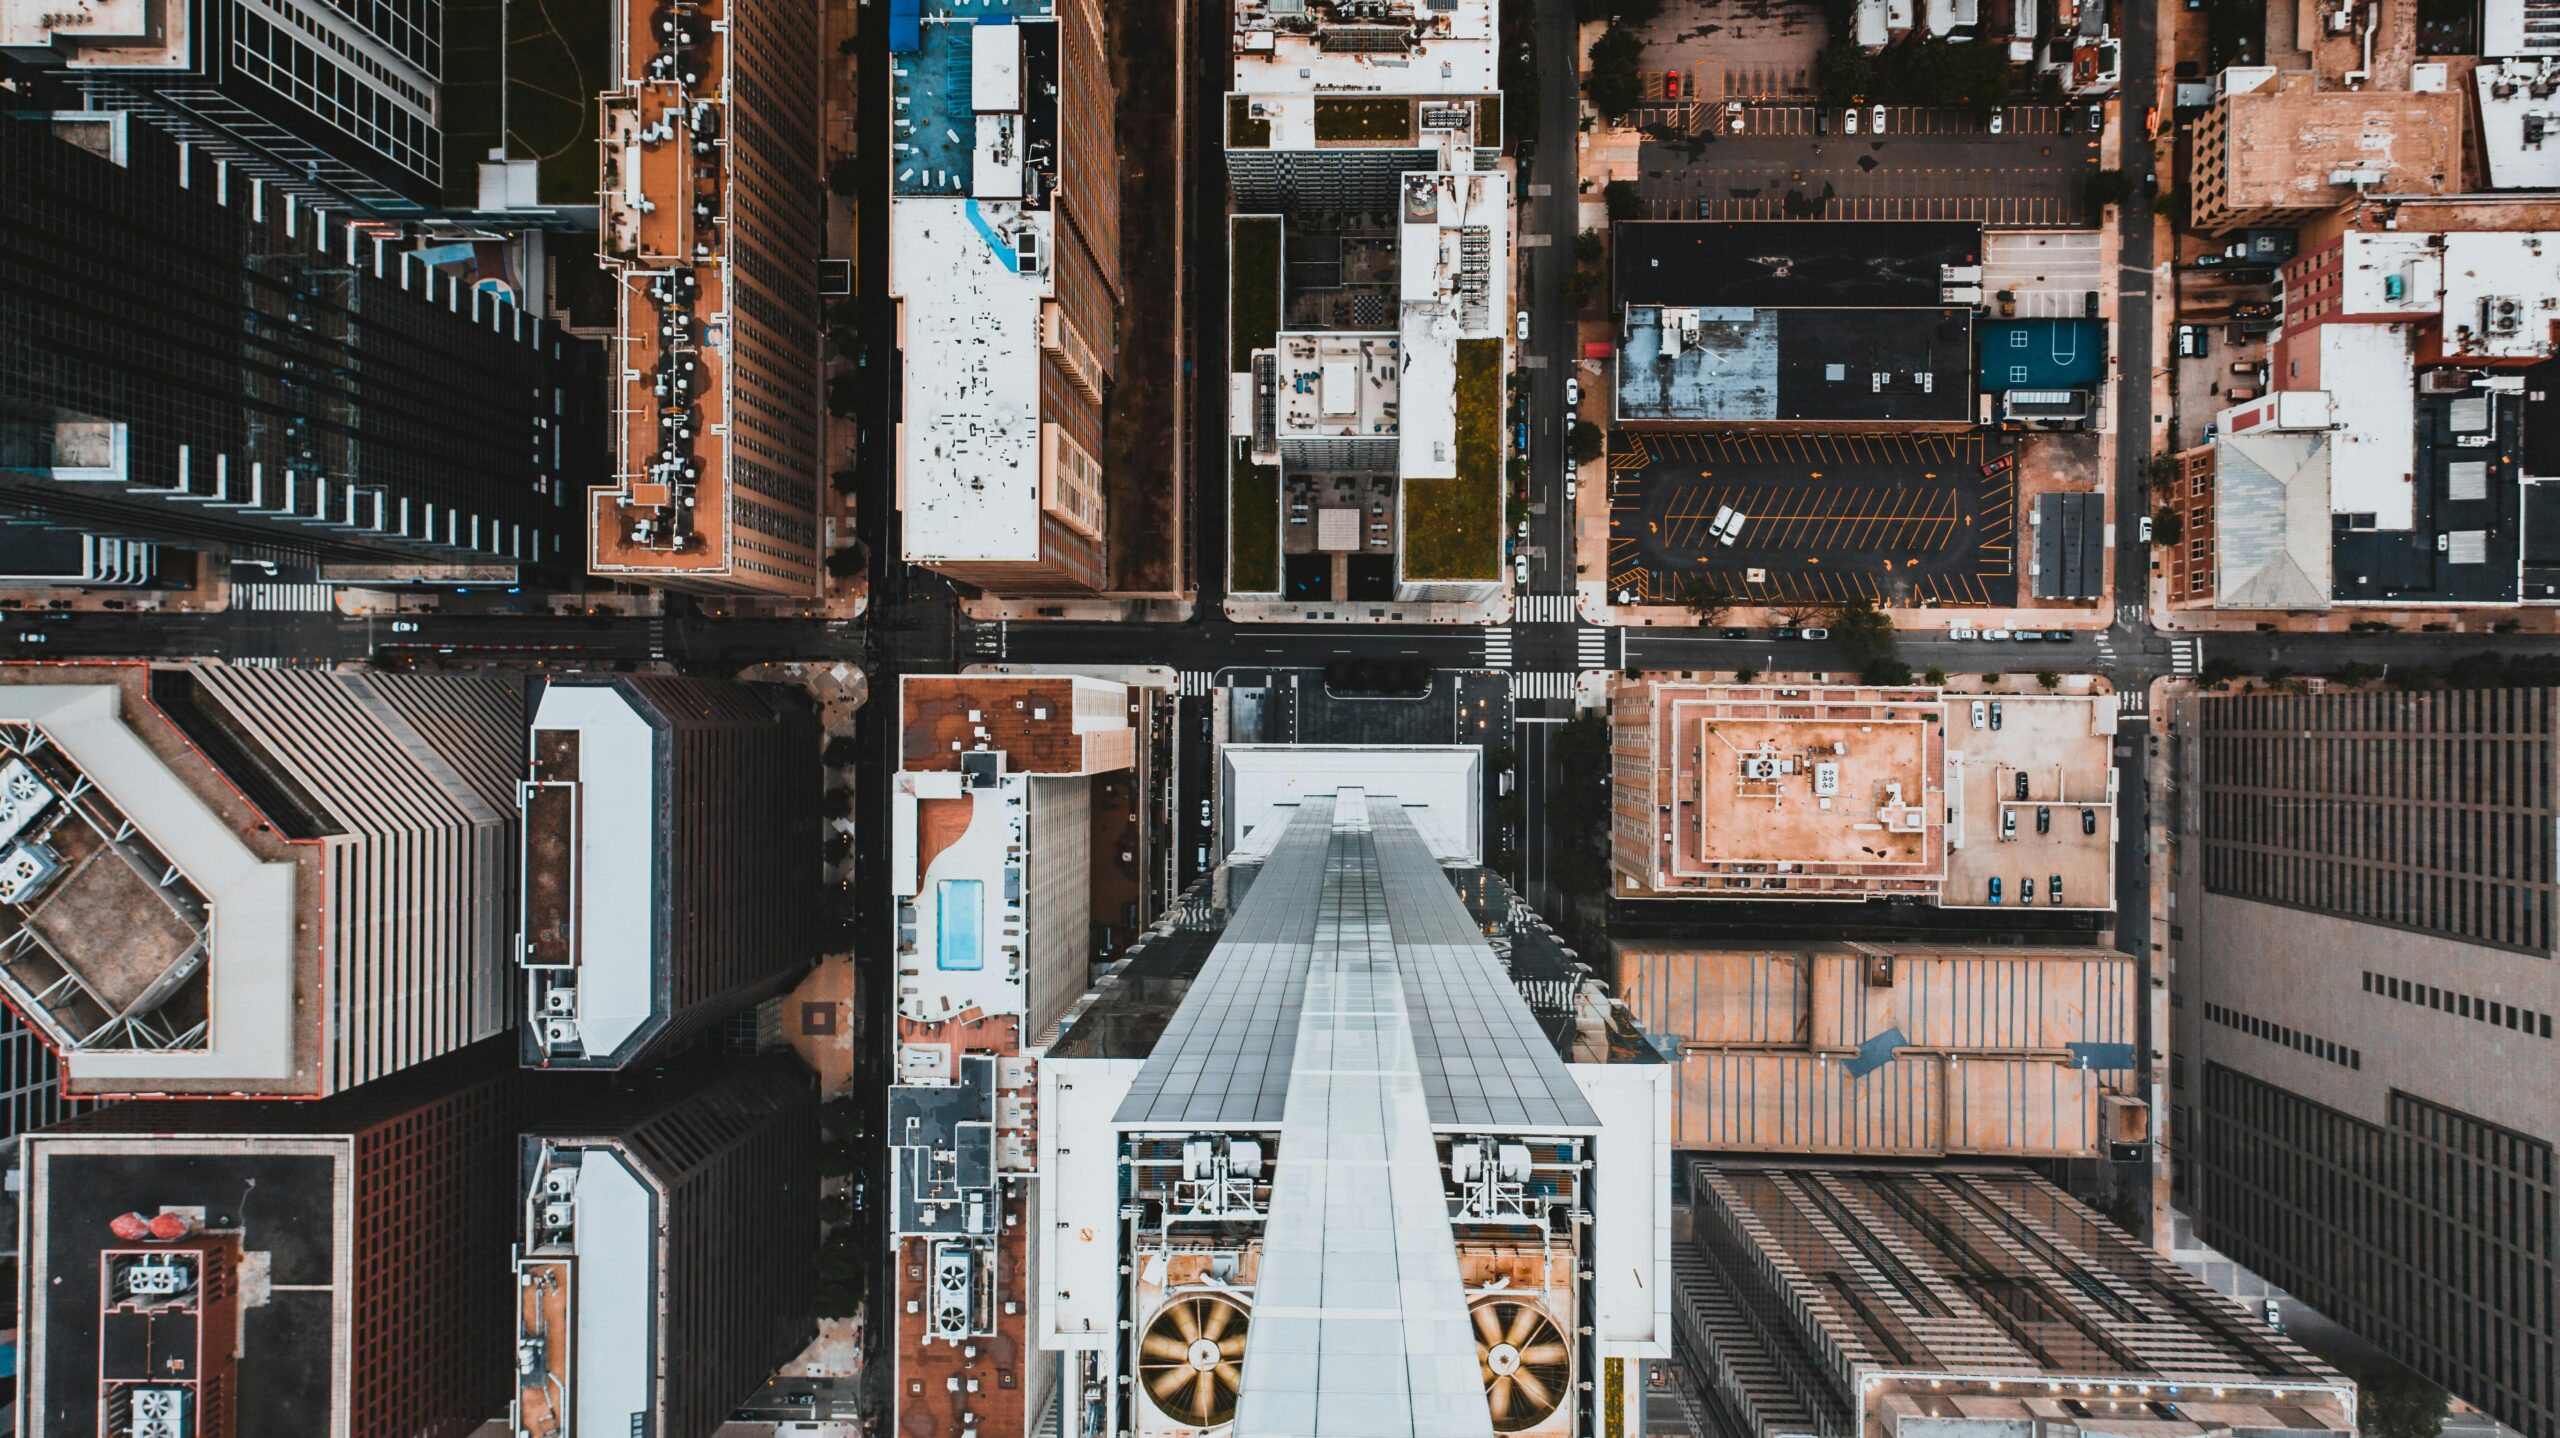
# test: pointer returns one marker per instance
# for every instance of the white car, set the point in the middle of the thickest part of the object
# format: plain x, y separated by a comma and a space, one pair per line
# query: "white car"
1995, 634
1523, 327
1981, 714
2142, 528
1877, 118
1572, 392
1849, 123
1733, 116
1520, 570
404, 626
1568, 487
1995, 122
1959, 632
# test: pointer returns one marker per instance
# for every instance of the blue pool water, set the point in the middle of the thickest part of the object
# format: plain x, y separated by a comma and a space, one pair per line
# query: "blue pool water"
959, 918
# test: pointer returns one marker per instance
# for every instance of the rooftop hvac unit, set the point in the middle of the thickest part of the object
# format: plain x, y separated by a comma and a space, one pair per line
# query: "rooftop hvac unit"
159, 1413
561, 1000
1028, 258
1826, 779
24, 871
1527, 1367
23, 795
2501, 315
559, 1182
559, 1214
954, 1286
559, 1033
1191, 1359
158, 1278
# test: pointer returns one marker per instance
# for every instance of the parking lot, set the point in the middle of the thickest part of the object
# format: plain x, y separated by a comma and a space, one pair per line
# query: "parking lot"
1901, 519
1928, 164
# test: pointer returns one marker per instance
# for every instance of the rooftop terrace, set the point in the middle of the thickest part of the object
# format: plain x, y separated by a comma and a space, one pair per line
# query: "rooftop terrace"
1404, 47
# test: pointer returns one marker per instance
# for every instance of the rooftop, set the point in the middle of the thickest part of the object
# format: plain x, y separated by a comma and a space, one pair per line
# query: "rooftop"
1790, 264
1741, 364
2517, 120
1042, 724
1337, 386
587, 1287
102, 34
592, 835
2062, 747
2291, 145
1394, 47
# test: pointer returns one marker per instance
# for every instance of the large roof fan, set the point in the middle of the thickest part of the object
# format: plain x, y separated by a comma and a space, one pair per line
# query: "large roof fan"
1190, 1359
1527, 1368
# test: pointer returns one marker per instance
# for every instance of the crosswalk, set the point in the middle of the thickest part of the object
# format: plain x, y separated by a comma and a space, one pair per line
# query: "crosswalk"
1546, 609
657, 636
2185, 655
987, 639
1497, 646
1591, 648
2130, 703
1542, 684
267, 595
1196, 682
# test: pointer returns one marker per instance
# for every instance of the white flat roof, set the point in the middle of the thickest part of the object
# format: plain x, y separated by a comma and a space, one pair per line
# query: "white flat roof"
2501, 277
995, 67
995, 166
968, 899
969, 445
2503, 32
1453, 56
615, 950
1435, 315
2371, 379
614, 1364
2520, 131
250, 1030
2369, 261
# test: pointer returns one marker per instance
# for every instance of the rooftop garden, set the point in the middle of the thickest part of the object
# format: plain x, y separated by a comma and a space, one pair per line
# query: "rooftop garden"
1364, 119
1453, 527
1245, 130
1253, 526
1253, 310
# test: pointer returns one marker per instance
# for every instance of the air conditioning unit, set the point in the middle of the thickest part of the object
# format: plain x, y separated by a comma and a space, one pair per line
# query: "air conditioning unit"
559, 1214
159, 1413
158, 1278
954, 1291
560, 1001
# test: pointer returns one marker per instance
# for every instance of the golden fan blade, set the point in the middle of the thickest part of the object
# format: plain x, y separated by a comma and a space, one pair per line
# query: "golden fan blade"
1498, 1398
1535, 1391
1186, 1320
1204, 1400
1231, 1347
1219, 1315
1521, 1325
1488, 1327
1164, 1346
1544, 1353
1230, 1376
1171, 1381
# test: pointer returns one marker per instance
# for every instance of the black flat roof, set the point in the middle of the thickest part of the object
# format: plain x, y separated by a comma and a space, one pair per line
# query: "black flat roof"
281, 1204
1789, 264
1829, 360
2408, 564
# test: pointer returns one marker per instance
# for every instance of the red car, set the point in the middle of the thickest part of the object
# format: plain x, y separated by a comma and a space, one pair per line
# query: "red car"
1671, 84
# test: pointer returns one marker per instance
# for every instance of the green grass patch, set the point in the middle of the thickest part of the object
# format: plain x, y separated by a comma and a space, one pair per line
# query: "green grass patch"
1453, 527
1489, 123
1246, 130
1364, 118
1253, 527
1253, 278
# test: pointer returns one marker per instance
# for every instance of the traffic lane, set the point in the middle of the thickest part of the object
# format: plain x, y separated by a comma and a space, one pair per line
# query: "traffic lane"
1923, 650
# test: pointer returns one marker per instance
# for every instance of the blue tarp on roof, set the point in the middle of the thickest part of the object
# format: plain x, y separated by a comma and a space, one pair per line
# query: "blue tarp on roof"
905, 27
2043, 354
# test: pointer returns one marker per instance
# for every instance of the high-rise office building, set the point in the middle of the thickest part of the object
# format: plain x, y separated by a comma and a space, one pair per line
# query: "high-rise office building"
234, 1270
1018, 853
1897, 1050
670, 860
192, 355
330, 103
663, 1270
1357, 1180
2363, 1087
1004, 256
1854, 1302
713, 223
253, 882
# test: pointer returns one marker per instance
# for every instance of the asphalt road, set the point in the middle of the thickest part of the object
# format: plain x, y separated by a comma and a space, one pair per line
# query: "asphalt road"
1550, 199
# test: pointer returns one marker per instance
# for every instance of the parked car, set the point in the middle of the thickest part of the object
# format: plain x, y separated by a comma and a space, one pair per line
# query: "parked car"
2027, 636
1849, 122
2142, 529
1786, 633
1204, 814
2096, 115
1733, 116
2053, 888
1995, 713
1959, 632
2192, 341
1981, 714
1822, 122
1568, 486
1995, 888
2088, 821
1995, 634
1876, 117
1817, 634
1572, 392
2026, 888
1520, 570
1522, 327
2057, 636
2044, 819
1995, 122
2022, 786
1671, 84
2008, 824
404, 626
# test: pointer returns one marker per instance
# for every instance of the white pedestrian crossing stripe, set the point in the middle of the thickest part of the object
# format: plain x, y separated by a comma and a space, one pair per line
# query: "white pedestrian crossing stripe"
2130, 701
1497, 647
1546, 609
267, 595
1196, 682
2184, 656
1591, 648
1542, 684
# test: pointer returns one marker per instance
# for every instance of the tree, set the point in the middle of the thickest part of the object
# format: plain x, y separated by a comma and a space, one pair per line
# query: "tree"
846, 480
2402, 1405
1613, 84
2106, 187
848, 562
2048, 679
1844, 72
1588, 248
845, 176
840, 751
1936, 677
2356, 671
2167, 526
836, 802
1863, 632
1745, 674
1885, 672
2217, 670
1623, 201
1581, 285
844, 396
1708, 600
1586, 441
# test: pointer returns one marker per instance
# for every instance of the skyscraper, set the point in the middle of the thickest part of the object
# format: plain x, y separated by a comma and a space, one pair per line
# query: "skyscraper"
1004, 255
253, 882
327, 103
670, 860
1843, 1301
2364, 1091
1355, 1182
663, 1270
713, 222
192, 355
232, 1270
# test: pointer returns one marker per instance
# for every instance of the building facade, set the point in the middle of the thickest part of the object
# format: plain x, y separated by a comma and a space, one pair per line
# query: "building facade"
2283, 147
1004, 259
191, 355
713, 222
224, 1270
1854, 1302
2362, 1083
253, 882
662, 1271
670, 842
